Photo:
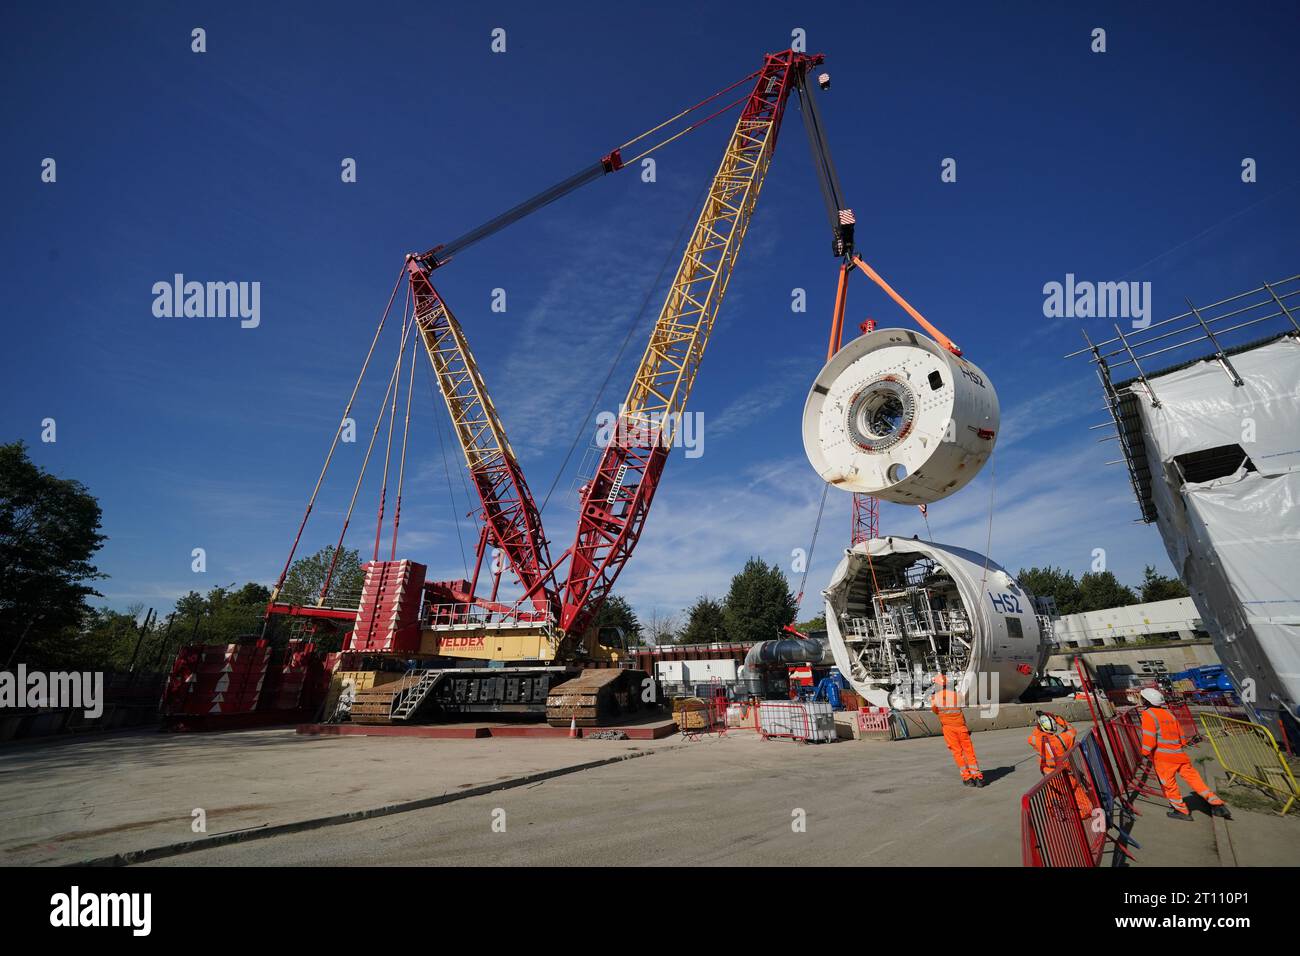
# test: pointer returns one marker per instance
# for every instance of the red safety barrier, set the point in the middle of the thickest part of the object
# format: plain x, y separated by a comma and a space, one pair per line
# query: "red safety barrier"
1067, 817
1125, 738
874, 720
743, 715
1282, 736
1062, 818
1122, 735
777, 718
1186, 723
1125, 735
713, 715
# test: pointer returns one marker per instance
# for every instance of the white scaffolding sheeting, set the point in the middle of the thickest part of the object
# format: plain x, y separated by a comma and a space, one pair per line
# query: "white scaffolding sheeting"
1234, 537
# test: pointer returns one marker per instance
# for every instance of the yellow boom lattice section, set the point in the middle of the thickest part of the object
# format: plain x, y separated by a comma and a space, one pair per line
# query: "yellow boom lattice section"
615, 502
667, 372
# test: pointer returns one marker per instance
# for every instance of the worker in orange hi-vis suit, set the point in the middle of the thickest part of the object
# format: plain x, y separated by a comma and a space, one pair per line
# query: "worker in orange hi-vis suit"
1051, 741
1061, 725
1162, 743
956, 735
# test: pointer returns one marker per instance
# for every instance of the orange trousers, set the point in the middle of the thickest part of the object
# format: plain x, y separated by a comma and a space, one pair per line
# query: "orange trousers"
1169, 767
957, 737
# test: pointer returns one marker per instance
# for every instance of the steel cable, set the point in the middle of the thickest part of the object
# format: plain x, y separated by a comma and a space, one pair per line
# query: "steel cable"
627, 337
451, 495
311, 502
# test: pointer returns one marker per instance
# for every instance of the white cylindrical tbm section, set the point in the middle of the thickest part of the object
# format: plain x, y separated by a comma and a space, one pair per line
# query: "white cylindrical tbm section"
896, 415
900, 610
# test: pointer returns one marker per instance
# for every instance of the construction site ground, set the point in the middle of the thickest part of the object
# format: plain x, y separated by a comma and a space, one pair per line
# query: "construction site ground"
731, 800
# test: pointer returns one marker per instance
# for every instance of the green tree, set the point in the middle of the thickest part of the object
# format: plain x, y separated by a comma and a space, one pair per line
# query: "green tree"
1157, 587
239, 613
616, 612
49, 532
705, 623
221, 616
109, 640
1099, 590
759, 603
189, 608
306, 577
1056, 583
817, 623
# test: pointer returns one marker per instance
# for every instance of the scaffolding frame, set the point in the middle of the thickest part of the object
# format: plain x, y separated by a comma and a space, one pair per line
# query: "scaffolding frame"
1275, 303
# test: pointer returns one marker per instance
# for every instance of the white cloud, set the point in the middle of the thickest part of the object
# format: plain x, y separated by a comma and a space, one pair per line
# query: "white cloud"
1050, 408
782, 382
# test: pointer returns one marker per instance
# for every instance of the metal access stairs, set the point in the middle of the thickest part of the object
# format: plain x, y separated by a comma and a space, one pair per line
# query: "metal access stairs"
408, 700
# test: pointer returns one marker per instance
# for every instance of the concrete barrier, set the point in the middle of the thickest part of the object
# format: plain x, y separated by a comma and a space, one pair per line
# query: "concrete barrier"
924, 723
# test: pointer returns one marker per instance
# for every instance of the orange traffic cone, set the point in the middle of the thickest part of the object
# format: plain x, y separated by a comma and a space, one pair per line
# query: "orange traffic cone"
573, 726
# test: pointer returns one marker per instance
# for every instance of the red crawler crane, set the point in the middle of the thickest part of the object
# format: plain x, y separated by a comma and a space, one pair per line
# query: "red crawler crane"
542, 650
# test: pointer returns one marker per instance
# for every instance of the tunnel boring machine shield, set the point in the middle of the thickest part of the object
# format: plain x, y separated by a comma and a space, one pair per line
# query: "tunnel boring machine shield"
897, 416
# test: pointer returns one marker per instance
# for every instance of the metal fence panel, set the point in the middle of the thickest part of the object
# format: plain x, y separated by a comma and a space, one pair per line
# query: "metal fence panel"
1248, 751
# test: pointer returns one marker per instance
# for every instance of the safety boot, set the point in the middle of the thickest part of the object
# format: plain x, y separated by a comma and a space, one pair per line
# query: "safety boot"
968, 782
1178, 815
979, 782
1221, 810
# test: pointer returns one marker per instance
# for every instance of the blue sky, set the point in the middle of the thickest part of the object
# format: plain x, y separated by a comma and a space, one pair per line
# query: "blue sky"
225, 166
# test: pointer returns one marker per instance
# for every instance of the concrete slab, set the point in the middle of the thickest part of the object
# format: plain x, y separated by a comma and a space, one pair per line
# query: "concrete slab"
76, 800
431, 731
1258, 838
646, 730
721, 800
1256, 835
535, 730
733, 799
737, 800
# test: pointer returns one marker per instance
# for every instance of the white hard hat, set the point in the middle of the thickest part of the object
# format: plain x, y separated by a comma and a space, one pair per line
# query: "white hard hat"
1152, 696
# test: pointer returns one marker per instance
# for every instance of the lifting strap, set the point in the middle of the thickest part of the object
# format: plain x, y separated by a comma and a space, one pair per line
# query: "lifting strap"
875, 277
